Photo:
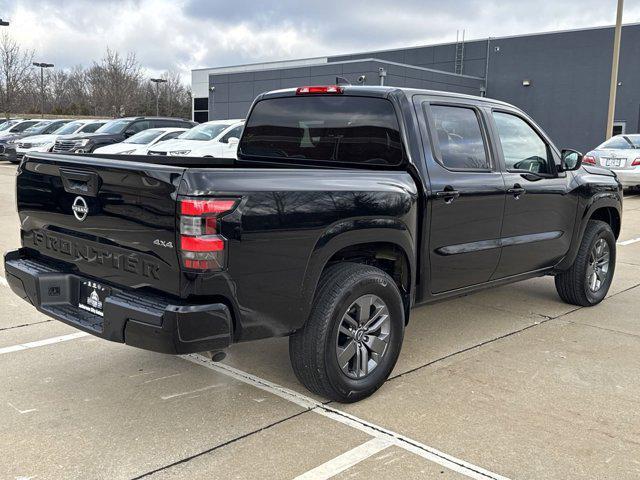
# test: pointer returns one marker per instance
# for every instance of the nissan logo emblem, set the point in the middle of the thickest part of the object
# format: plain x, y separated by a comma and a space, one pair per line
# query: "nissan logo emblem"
80, 209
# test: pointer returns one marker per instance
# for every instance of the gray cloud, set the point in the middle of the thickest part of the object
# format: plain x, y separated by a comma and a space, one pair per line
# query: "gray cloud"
184, 34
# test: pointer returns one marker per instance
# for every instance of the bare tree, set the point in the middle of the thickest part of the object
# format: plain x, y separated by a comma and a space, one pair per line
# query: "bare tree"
114, 86
15, 70
114, 83
176, 95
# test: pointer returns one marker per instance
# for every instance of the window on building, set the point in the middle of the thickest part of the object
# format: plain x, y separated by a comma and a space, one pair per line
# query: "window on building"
201, 109
619, 128
201, 103
200, 117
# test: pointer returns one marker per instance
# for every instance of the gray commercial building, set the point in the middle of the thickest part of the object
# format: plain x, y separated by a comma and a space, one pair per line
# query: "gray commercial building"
561, 78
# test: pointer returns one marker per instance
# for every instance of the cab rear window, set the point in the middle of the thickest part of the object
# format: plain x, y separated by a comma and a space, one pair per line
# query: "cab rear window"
324, 128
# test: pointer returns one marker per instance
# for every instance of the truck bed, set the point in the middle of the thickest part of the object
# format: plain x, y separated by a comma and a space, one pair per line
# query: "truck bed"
286, 225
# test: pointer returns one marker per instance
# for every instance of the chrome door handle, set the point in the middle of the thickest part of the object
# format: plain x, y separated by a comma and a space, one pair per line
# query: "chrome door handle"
449, 194
517, 190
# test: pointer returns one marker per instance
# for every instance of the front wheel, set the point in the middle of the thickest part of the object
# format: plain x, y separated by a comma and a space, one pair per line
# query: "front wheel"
588, 280
353, 336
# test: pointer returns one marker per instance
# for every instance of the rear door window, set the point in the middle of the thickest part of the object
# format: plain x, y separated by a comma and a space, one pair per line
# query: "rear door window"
459, 138
324, 128
91, 127
136, 127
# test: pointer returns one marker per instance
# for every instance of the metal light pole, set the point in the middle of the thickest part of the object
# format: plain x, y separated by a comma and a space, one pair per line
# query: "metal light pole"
614, 72
42, 67
3, 23
158, 81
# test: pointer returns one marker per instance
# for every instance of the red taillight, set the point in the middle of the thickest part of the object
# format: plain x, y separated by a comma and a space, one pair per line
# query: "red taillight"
319, 89
636, 162
214, 243
202, 207
589, 160
201, 247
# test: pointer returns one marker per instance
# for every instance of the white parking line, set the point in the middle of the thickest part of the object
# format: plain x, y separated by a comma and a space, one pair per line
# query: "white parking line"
346, 460
42, 343
425, 451
3, 282
629, 242
376, 431
380, 434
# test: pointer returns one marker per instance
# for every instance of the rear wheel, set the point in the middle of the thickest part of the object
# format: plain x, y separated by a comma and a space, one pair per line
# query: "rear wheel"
353, 336
588, 280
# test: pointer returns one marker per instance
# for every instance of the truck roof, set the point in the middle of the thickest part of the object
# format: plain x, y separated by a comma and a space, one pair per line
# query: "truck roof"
379, 91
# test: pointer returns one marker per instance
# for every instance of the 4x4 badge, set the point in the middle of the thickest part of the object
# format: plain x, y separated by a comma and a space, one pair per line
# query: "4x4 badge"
80, 208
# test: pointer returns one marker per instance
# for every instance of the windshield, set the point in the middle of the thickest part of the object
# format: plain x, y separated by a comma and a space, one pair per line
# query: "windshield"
634, 139
22, 126
114, 126
5, 125
144, 137
332, 128
204, 132
70, 127
618, 143
37, 128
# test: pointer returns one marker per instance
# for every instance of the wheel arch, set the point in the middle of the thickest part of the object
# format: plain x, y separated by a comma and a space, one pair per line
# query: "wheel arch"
605, 208
390, 249
608, 215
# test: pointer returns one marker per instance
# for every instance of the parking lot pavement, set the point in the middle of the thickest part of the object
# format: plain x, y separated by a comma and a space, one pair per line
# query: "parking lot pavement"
9, 236
506, 383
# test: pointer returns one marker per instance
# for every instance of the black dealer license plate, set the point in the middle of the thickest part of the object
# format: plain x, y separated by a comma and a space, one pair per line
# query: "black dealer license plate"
92, 297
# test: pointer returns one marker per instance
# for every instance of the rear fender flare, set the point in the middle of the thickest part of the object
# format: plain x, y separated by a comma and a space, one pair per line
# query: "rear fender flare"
349, 233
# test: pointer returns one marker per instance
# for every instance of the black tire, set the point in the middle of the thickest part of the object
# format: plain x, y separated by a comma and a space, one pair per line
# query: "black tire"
573, 285
313, 349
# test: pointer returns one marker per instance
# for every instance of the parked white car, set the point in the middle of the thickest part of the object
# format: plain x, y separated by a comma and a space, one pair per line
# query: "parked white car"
6, 124
44, 143
621, 154
218, 138
139, 143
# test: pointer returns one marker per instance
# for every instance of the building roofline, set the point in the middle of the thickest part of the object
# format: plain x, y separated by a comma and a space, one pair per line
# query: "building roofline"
294, 62
505, 37
369, 59
322, 60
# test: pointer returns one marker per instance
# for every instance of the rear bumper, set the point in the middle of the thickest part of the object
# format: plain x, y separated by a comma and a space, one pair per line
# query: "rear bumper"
140, 320
628, 178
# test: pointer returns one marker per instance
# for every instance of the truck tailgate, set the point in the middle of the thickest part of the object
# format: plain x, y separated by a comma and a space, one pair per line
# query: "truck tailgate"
114, 220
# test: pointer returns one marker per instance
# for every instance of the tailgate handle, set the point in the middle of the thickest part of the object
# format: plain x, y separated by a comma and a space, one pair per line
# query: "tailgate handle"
80, 183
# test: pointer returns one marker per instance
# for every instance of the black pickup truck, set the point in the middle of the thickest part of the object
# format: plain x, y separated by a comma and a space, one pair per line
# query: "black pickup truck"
347, 206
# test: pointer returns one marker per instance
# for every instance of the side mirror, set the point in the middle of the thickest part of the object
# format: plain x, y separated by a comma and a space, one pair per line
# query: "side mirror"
233, 140
129, 133
571, 160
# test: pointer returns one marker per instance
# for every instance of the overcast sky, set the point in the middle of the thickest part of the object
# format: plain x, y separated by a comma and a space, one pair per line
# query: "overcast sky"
186, 34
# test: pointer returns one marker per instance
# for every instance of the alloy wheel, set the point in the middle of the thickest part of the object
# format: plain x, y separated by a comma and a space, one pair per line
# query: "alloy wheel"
363, 336
598, 266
